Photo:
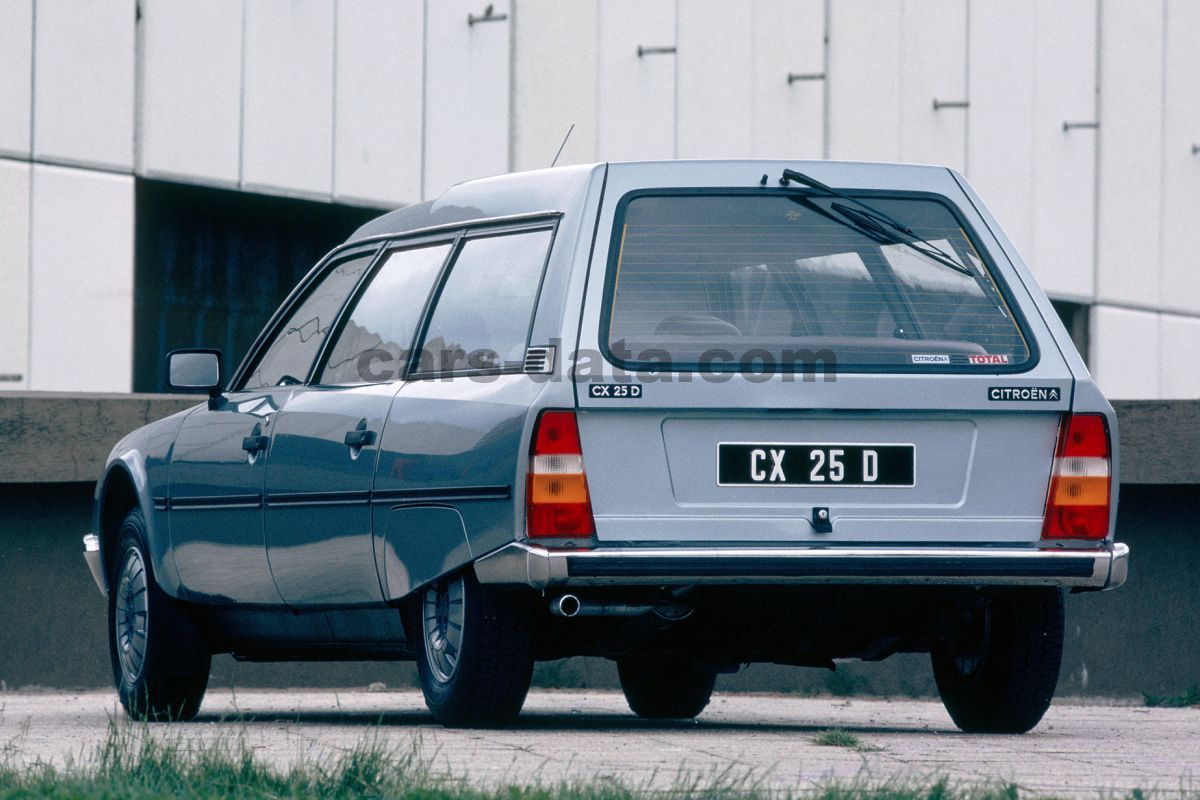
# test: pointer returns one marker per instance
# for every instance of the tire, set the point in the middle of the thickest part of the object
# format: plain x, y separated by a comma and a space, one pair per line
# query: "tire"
665, 687
163, 680
476, 675
1004, 681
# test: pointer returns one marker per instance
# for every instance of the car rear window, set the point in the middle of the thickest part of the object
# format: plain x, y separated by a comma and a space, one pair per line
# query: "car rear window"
797, 281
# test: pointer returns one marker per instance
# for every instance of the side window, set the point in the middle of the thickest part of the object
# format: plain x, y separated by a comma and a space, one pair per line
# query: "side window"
290, 355
484, 311
374, 344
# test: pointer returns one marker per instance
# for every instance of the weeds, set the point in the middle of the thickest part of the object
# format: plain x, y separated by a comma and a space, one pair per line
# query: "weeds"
1185, 699
836, 737
132, 763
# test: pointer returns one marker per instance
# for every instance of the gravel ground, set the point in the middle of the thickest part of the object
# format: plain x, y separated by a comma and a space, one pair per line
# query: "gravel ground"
1078, 750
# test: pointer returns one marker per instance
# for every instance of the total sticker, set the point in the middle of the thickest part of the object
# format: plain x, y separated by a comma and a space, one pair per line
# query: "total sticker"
988, 358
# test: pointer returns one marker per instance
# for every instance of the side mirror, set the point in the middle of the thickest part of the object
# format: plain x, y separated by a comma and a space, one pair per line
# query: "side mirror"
195, 370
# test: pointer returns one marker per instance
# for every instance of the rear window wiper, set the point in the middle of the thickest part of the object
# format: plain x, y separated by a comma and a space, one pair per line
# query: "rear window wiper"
876, 224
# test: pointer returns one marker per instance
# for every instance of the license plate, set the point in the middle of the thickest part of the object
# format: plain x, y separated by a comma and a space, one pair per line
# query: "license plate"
798, 464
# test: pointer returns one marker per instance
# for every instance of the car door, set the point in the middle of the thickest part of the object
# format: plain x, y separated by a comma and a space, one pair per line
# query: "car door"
325, 440
448, 459
218, 463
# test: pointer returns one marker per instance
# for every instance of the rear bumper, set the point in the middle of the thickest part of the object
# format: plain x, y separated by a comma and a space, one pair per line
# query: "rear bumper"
521, 564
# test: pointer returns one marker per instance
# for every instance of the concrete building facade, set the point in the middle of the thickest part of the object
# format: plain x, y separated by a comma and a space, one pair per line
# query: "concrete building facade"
1077, 120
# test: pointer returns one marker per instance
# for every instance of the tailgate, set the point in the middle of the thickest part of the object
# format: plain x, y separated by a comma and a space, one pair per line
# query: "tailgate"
764, 371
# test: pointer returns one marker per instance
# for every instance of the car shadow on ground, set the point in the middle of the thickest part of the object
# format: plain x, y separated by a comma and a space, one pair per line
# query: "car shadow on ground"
583, 723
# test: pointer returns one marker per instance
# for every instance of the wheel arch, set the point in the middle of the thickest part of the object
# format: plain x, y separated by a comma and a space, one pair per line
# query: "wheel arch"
122, 489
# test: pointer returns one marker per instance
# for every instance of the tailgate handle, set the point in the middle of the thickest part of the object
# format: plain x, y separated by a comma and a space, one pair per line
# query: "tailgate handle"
822, 522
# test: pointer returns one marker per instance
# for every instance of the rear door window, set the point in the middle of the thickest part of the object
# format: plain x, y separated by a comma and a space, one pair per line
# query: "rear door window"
484, 311
786, 280
375, 342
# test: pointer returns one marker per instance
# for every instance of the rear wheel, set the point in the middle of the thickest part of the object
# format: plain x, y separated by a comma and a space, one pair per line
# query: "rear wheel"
665, 687
999, 672
160, 660
474, 648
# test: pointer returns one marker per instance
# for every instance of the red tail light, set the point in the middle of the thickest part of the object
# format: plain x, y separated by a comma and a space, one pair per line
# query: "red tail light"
556, 498
1080, 486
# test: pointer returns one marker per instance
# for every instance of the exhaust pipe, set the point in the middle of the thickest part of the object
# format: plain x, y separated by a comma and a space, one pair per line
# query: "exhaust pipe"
569, 606
566, 606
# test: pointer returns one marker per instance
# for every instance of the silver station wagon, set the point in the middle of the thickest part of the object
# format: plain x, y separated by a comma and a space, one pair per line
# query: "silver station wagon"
682, 415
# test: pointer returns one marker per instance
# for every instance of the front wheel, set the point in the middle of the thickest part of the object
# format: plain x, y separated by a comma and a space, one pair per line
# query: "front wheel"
474, 648
999, 672
160, 660
665, 687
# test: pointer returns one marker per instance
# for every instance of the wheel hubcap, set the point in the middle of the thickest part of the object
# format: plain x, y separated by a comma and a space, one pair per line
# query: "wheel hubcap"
443, 612
131, 618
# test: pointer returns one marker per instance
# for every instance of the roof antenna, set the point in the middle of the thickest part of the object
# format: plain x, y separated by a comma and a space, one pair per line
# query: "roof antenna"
564, 144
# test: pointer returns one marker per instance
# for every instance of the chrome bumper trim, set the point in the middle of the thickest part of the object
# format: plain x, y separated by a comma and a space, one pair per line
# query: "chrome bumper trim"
521, 564
91, 554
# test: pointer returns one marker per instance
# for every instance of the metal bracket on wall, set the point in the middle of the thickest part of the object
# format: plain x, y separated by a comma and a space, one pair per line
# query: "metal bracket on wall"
938, 105
805, 76
1085, 125
654, 51
489, 15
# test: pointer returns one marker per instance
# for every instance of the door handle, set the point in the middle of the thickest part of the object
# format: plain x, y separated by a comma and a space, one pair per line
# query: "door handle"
360, 437
256, 442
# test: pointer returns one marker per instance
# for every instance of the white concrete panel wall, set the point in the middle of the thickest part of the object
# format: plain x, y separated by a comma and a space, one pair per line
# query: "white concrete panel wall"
1061, 247
1124, 357
554, 82
933, 67
384, 102
81, 285
380, 54
14, 274
1032, 68
734, 96
636, 97
865, 45
84, 82
1000, 152
1130, 163
789, 118
1180, 289
1179, 341
467, 93
16, 75
287, 134
191, 100
715, 112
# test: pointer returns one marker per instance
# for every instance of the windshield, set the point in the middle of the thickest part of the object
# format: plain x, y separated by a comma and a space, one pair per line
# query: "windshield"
711, 282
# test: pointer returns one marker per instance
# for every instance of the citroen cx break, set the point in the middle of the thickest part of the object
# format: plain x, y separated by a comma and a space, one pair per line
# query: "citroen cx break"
682, 415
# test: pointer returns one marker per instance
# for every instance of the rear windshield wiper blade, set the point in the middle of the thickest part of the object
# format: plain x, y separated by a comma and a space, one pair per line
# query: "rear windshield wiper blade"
878, 224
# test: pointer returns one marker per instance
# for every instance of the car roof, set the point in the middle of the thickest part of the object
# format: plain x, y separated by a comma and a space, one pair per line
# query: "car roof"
514, 194
560, 188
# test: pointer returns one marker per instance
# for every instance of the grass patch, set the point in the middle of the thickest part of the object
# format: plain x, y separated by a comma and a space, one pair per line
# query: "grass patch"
132, 763
836, 737
1185, 699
